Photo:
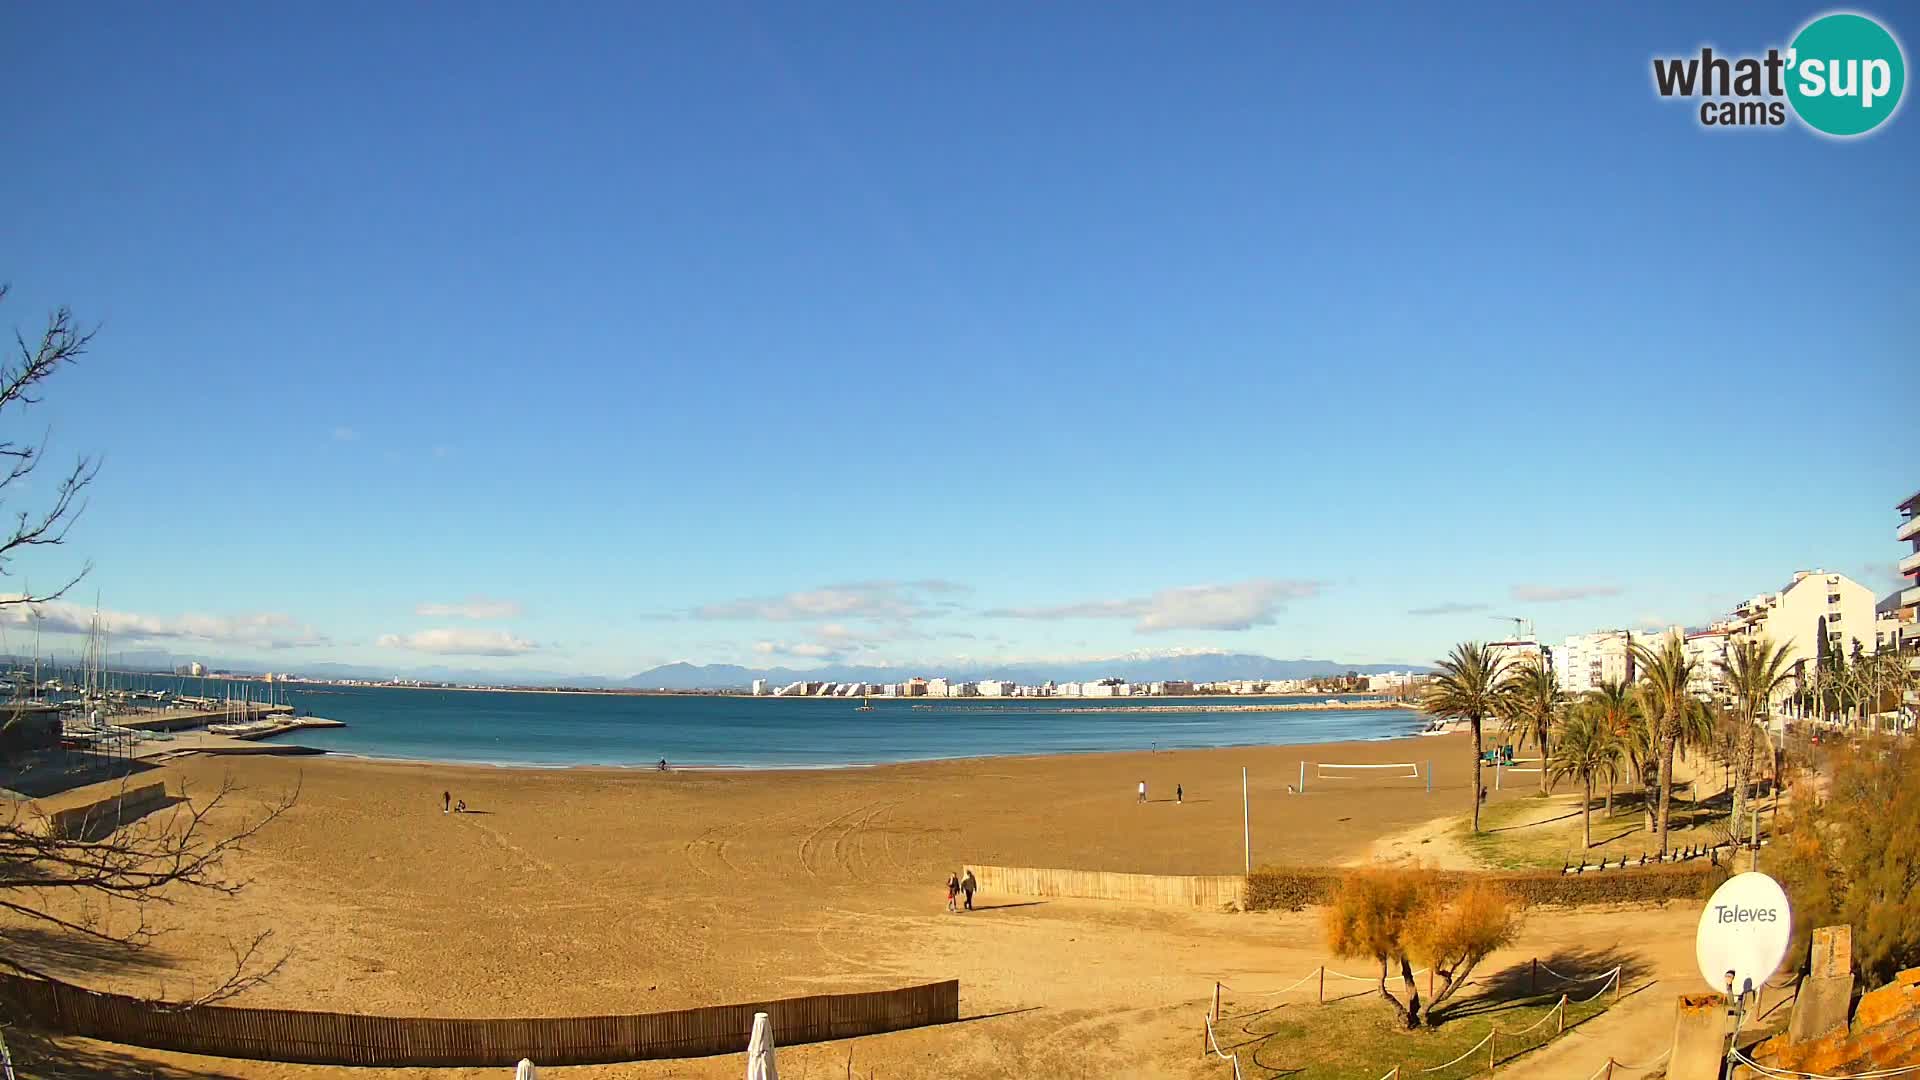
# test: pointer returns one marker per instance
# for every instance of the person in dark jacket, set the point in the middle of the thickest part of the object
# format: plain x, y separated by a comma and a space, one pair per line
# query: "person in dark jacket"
967, 888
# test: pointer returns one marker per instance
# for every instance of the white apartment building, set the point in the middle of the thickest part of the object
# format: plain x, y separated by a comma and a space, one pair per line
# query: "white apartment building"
759, 687
1512, 654
936, 688
1815, 614
1908, 612
1584, 661
994, 688
1708, 651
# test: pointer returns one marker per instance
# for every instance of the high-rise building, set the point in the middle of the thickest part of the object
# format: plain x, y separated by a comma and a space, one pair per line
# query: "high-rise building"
759, 687
1584, 661
1908, 611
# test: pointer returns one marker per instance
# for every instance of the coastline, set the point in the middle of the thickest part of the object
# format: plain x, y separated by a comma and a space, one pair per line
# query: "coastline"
296, 686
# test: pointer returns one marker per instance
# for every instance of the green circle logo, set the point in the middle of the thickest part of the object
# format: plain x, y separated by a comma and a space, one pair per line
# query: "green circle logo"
1845, 74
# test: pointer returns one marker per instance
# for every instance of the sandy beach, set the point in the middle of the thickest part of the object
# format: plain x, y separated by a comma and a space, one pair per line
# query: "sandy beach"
589, 891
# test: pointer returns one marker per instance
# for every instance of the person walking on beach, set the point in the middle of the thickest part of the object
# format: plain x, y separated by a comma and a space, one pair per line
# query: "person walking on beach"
446, 802
1143, 791
953, 892
968, 886
1179, 795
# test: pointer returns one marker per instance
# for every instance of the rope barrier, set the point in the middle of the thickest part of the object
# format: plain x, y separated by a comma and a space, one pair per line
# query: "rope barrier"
1664, 1055
1213, 1045
1789, 1074
1462, 1057
1559, 1005
1282, 990
1608, 980
1572, 979
1369, 978
1612, 981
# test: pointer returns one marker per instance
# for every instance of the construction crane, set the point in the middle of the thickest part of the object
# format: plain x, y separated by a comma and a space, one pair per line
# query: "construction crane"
1522, 628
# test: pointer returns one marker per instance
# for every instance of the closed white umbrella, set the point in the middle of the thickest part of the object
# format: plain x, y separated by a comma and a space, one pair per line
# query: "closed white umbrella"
760, 1050
526, 1071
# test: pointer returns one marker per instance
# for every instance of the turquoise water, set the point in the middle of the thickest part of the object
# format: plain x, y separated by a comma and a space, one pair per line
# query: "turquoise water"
570, 729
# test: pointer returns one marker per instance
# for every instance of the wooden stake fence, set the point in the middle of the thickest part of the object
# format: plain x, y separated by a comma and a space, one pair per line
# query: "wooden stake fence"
326, 1038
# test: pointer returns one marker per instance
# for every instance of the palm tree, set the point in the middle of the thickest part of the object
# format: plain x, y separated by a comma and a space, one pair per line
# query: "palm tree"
1697, 724
1612, 704
1530, 703
1755, 671
1665, 672
1467, 688
1586, 749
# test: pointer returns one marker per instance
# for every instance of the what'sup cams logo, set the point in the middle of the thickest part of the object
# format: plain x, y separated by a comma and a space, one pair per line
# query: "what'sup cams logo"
1843, 75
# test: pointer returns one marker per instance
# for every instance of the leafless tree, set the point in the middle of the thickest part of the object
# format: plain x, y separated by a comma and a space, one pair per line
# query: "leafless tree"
98, 881
61, 343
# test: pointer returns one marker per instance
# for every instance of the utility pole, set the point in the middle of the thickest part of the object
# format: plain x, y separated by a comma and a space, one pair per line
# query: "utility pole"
1246, 825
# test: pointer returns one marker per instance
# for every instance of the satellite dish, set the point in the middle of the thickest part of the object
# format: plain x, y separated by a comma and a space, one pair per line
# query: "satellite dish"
1743, 932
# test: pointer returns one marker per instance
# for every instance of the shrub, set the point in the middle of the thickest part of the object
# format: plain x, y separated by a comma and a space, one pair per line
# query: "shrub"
1399, 915
1275, 888
1855, 857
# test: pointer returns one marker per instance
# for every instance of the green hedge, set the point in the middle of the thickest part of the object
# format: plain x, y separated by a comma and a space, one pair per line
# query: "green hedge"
1276, 888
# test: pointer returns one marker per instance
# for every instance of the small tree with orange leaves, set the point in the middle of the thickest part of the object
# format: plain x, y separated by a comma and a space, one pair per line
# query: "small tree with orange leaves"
1399, 916
1456, 930
1370, 918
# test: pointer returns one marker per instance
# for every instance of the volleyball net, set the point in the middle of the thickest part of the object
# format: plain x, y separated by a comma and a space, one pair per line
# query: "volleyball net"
1353, 773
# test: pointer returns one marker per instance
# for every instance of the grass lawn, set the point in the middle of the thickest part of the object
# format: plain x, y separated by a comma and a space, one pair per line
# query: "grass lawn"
1535, 833
1357, 1037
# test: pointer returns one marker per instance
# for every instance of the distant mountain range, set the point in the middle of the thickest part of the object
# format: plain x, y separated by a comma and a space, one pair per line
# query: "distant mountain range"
1138, 667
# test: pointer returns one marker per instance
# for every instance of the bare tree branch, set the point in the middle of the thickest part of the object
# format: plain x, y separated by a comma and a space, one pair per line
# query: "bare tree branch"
61, 343
120, 871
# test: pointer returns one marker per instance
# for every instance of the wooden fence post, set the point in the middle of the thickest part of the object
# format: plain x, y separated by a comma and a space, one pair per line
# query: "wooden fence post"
1563, 1015
1490, 1054
1533, 980
1216, 1001
1323, 985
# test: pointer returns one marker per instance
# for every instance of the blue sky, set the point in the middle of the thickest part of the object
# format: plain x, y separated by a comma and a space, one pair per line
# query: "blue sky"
584, 338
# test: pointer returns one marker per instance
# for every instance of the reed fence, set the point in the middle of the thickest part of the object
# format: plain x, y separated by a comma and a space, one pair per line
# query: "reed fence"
327, 1038
1210, 892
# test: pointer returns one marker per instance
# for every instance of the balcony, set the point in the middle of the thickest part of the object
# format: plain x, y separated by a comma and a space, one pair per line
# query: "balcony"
1910, 565
1909, 528
1910, 597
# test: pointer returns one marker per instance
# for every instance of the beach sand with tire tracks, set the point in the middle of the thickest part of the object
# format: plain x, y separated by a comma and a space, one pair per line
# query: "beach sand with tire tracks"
583, 891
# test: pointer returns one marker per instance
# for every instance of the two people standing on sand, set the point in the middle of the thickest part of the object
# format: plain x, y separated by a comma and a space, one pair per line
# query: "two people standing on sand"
961, 887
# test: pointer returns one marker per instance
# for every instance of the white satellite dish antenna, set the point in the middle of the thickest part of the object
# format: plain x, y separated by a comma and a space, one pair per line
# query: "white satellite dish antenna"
1743, 933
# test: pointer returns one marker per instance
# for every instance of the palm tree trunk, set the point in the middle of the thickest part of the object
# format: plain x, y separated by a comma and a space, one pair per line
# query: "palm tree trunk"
1476, 774
1540, 740
1586, 814
1609, 798
1666, 789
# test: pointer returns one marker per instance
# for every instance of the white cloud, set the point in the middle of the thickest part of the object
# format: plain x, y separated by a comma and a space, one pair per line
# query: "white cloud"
1448, 607
897, 600
1556, 594
1239, 605
345, 434
804, 650
459, 641
264, 630
473, 607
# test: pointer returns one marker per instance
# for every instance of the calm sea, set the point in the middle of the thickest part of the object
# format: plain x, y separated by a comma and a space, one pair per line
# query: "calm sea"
569, 729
